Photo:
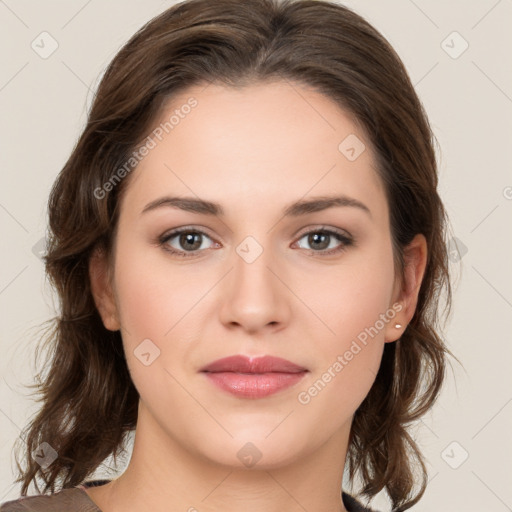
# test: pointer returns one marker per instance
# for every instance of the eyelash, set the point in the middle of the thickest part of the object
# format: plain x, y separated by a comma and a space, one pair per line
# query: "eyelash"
346, 241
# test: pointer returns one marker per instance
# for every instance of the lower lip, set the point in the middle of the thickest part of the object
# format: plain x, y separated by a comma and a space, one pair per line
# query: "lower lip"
254, 385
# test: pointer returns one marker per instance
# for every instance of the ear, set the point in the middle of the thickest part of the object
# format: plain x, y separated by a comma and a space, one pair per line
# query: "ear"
102, 291
405, 295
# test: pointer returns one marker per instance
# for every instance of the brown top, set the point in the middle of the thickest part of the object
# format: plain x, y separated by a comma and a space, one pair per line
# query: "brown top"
75, 499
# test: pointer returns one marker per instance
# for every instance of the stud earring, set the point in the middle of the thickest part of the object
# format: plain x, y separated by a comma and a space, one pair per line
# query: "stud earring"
398, 326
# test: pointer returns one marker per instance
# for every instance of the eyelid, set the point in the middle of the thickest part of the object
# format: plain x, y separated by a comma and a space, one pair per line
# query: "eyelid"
300, 233
323, 227
181, 229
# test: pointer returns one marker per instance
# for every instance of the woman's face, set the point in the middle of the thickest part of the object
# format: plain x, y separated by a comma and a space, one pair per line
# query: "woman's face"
260, 276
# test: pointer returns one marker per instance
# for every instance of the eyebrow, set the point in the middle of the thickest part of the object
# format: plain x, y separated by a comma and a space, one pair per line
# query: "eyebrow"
301, 207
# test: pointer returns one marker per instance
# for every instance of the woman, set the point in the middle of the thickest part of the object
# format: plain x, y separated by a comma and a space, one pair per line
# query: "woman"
248, 247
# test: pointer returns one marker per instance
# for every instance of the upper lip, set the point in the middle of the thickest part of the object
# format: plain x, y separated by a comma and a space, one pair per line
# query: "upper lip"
244, 364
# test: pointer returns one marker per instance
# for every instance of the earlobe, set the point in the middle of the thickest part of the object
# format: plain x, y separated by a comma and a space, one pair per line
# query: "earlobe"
101, 289
415, 261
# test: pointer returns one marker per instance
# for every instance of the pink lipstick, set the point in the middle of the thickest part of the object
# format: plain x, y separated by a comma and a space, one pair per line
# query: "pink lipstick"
253, 378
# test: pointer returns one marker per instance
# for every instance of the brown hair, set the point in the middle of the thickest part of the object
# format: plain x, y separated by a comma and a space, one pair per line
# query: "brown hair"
89, 402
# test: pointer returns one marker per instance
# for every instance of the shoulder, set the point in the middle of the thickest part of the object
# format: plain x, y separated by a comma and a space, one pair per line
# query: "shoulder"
66, 500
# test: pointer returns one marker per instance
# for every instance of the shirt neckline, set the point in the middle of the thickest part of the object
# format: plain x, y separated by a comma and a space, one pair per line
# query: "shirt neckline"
348, 500
86, 485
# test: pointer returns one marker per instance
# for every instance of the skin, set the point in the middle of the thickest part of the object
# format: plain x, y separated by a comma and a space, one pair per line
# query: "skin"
255, 151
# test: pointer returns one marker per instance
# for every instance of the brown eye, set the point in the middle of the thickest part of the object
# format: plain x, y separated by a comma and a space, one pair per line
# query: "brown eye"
319, 240
190, 241
184, 242
326, 241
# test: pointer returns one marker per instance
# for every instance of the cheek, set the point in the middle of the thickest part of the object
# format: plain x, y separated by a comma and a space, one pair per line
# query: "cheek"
162, 302
152, 295
352, 297
355, 304
153, 301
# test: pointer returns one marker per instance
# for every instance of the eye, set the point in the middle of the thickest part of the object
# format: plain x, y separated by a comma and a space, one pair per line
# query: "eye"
327, 241
188, 241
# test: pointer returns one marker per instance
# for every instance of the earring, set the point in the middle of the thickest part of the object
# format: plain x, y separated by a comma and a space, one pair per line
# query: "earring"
398, 326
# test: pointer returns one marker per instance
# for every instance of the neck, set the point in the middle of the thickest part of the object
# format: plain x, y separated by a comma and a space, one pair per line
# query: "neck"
163, 475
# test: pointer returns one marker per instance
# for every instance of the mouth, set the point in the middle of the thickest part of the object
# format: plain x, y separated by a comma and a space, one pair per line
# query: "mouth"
253, 378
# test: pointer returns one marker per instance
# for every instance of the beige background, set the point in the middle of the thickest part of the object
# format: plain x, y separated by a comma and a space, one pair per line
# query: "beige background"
469, 101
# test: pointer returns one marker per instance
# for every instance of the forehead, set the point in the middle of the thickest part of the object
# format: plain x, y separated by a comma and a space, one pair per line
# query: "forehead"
260, 145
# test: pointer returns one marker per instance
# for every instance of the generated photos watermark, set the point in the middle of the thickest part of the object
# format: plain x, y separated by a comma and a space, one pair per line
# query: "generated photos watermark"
305, 397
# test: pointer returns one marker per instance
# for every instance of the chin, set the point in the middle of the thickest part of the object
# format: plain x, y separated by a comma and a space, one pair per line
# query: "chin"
255, 449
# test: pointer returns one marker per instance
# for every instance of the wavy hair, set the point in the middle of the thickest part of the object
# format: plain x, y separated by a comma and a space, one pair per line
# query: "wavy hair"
89, 402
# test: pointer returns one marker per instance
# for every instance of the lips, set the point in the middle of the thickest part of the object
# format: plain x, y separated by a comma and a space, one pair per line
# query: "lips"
253, 378
243, 364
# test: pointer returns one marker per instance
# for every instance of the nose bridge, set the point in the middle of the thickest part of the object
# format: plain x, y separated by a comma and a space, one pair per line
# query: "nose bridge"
254, 296
251, 273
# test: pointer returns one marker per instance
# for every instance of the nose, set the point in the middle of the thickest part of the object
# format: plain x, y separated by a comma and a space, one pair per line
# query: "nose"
254, 297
